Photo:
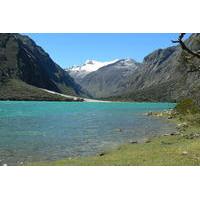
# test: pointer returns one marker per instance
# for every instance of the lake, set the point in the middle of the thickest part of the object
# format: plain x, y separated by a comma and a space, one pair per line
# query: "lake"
40, 131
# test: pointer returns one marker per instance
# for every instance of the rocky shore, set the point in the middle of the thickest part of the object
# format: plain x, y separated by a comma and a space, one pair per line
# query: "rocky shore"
181, 147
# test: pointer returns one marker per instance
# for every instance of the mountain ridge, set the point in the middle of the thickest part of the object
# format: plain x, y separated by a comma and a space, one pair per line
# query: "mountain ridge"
162, 76
24, 62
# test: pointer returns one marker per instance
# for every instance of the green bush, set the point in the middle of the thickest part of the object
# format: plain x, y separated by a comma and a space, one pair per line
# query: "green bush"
187, 106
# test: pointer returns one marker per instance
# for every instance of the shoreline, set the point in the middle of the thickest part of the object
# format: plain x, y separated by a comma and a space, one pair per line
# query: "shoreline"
165, 149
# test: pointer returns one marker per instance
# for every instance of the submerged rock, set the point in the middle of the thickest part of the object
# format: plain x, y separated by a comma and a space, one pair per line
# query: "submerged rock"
118, 129
149, 113
147, 141
134, 142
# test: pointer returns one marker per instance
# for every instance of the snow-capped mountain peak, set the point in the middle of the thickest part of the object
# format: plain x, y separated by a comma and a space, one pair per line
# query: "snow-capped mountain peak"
91, 65
79, 72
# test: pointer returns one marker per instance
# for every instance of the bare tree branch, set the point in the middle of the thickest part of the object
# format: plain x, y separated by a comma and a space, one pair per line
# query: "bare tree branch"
189, 51
184, 47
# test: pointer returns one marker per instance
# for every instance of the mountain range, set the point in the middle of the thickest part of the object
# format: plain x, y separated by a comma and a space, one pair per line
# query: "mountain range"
162, 76
26, 70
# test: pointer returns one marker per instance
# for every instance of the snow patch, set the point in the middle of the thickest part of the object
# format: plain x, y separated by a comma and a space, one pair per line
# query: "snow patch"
91, 66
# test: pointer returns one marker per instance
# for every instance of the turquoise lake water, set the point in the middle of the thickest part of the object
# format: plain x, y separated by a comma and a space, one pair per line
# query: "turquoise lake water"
39, 131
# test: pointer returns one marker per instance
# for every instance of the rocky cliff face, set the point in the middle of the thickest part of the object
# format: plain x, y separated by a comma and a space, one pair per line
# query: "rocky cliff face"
164, 75
22, 60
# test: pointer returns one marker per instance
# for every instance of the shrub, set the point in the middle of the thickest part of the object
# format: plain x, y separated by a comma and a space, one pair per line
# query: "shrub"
187, 106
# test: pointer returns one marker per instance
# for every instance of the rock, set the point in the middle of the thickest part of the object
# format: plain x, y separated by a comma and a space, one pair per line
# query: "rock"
178, 125
5, 164
118, 130
184, 153
102, 154
174, 133
134, 142
182, 125
149, 113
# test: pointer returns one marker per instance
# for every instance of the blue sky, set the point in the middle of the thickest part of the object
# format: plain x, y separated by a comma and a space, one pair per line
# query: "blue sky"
68, 49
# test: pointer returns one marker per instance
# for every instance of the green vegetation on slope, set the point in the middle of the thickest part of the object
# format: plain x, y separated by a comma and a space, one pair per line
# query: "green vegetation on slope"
18, 90
22, 60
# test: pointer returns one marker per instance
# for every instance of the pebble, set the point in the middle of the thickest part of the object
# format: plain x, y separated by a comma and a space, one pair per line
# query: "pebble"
184, 153
182, 125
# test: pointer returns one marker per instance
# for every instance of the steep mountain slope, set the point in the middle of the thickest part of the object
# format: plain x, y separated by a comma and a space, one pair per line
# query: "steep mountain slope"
164, 75
107, 80
25, 63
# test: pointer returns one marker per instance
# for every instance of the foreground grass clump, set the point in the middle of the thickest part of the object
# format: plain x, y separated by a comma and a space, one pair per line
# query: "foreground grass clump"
179, 148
